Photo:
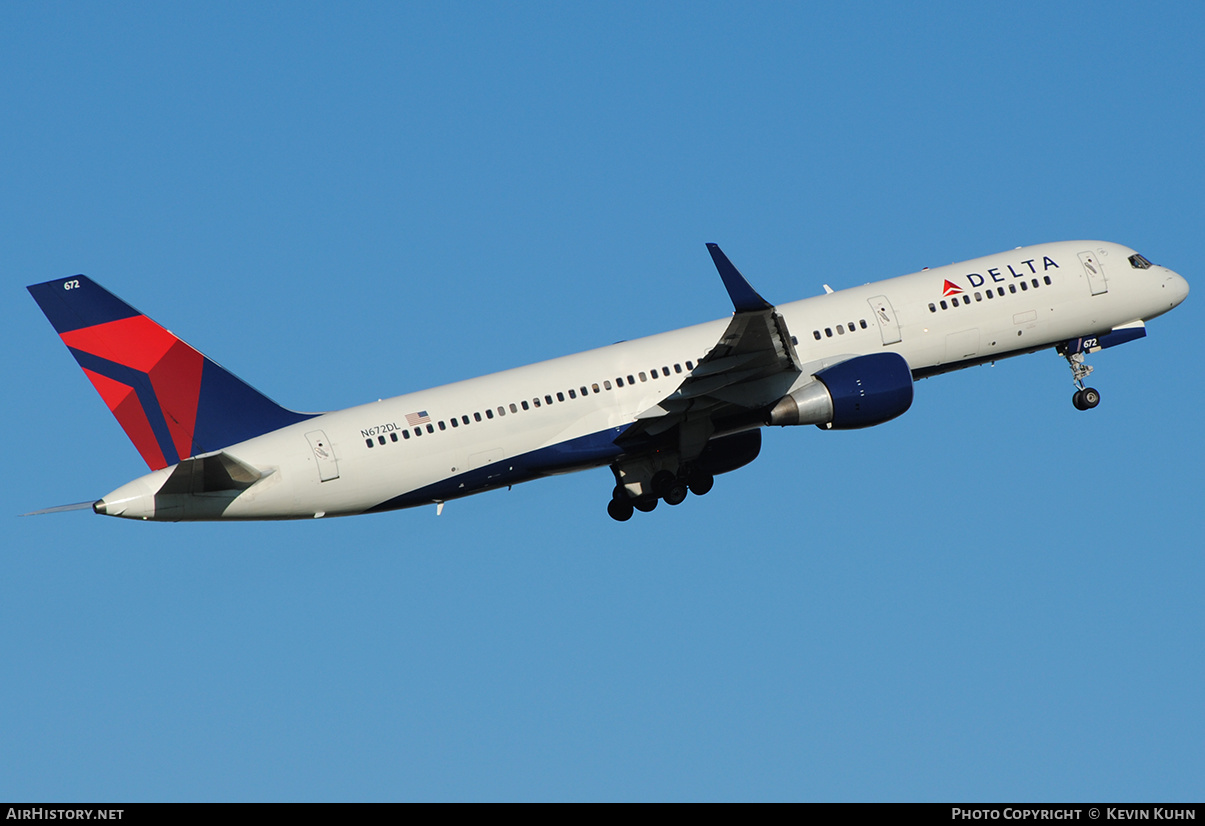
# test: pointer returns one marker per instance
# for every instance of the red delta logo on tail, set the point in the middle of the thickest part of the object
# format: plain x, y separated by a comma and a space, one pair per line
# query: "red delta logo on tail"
950, 288
170, 399
151, 354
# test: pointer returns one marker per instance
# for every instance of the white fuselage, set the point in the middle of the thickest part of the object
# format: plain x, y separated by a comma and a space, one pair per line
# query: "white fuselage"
404, 451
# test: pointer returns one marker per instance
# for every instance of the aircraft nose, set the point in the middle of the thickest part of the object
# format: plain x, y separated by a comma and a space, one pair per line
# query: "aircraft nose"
1178, 286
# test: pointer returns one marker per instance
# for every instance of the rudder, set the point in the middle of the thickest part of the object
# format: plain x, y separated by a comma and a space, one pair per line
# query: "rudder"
170, 399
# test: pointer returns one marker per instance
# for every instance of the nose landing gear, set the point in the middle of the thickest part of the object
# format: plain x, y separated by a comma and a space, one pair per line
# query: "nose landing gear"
1085, 398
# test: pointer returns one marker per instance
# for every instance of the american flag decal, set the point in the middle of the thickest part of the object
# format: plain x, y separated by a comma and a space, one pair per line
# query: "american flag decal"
420, 417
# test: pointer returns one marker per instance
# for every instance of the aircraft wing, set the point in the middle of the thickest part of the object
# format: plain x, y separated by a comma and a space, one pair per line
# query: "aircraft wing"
751, 367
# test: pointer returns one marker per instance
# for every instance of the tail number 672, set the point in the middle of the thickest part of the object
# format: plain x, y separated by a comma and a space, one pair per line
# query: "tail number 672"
73, 284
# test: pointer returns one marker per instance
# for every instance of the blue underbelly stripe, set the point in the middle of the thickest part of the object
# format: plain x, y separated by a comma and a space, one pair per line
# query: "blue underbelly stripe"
592, 450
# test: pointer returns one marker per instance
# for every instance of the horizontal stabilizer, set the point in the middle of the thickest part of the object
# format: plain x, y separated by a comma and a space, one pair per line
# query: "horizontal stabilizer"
215, 473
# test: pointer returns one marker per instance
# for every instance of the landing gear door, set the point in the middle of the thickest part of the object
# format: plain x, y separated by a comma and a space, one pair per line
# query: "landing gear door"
1095, 272
324, 455
885, 315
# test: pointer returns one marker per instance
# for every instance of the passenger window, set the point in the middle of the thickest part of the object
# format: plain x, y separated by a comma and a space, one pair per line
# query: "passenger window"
489, 414
619, 382
443, 426
430, 428
689, 366
594, 387
560, 397
405, 434
643, 377
1047, 280
501, 411
368, 442
607, 384
851, 326
795, 341
665, 372
585, 392
548, 400
863, 322
978, 296
476, 417
944, 306
653, 372
525, 405
1035, 283
418, 431
1012, 288
1024, 286
677, 368
828, 331
954, 301
572, 394
631, 380
816, 333
1000, 291
465, 419
990, 295
393, 436
455, 422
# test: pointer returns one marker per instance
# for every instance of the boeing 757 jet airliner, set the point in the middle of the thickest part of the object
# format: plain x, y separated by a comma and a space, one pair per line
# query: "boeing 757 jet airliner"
666, 413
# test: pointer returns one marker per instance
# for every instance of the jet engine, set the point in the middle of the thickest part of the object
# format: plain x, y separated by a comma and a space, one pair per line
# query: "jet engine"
859, 392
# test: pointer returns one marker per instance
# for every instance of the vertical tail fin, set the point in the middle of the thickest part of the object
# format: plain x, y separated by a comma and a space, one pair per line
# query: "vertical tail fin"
171, 400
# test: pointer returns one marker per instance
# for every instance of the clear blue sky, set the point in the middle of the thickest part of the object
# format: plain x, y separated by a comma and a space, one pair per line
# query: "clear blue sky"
994, 597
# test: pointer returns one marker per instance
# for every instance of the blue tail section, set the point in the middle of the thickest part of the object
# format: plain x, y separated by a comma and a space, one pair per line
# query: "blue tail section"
171, 400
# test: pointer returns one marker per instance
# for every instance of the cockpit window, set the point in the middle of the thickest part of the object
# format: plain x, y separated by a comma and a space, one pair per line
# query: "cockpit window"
1139, 263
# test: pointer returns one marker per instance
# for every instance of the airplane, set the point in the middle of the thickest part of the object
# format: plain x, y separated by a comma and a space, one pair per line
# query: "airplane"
667, 413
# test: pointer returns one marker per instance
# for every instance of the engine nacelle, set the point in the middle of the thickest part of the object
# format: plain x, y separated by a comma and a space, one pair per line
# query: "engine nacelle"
859, 392
727, 453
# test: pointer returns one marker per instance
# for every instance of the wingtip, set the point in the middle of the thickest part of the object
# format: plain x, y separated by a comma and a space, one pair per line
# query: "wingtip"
744, 297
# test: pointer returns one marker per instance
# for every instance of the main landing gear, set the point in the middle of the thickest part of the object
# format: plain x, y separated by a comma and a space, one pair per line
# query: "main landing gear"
664, 486
1085, 398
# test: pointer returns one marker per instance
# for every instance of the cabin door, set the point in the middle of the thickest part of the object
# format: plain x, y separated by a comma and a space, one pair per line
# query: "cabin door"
885, 315
1095, 272
324, 455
